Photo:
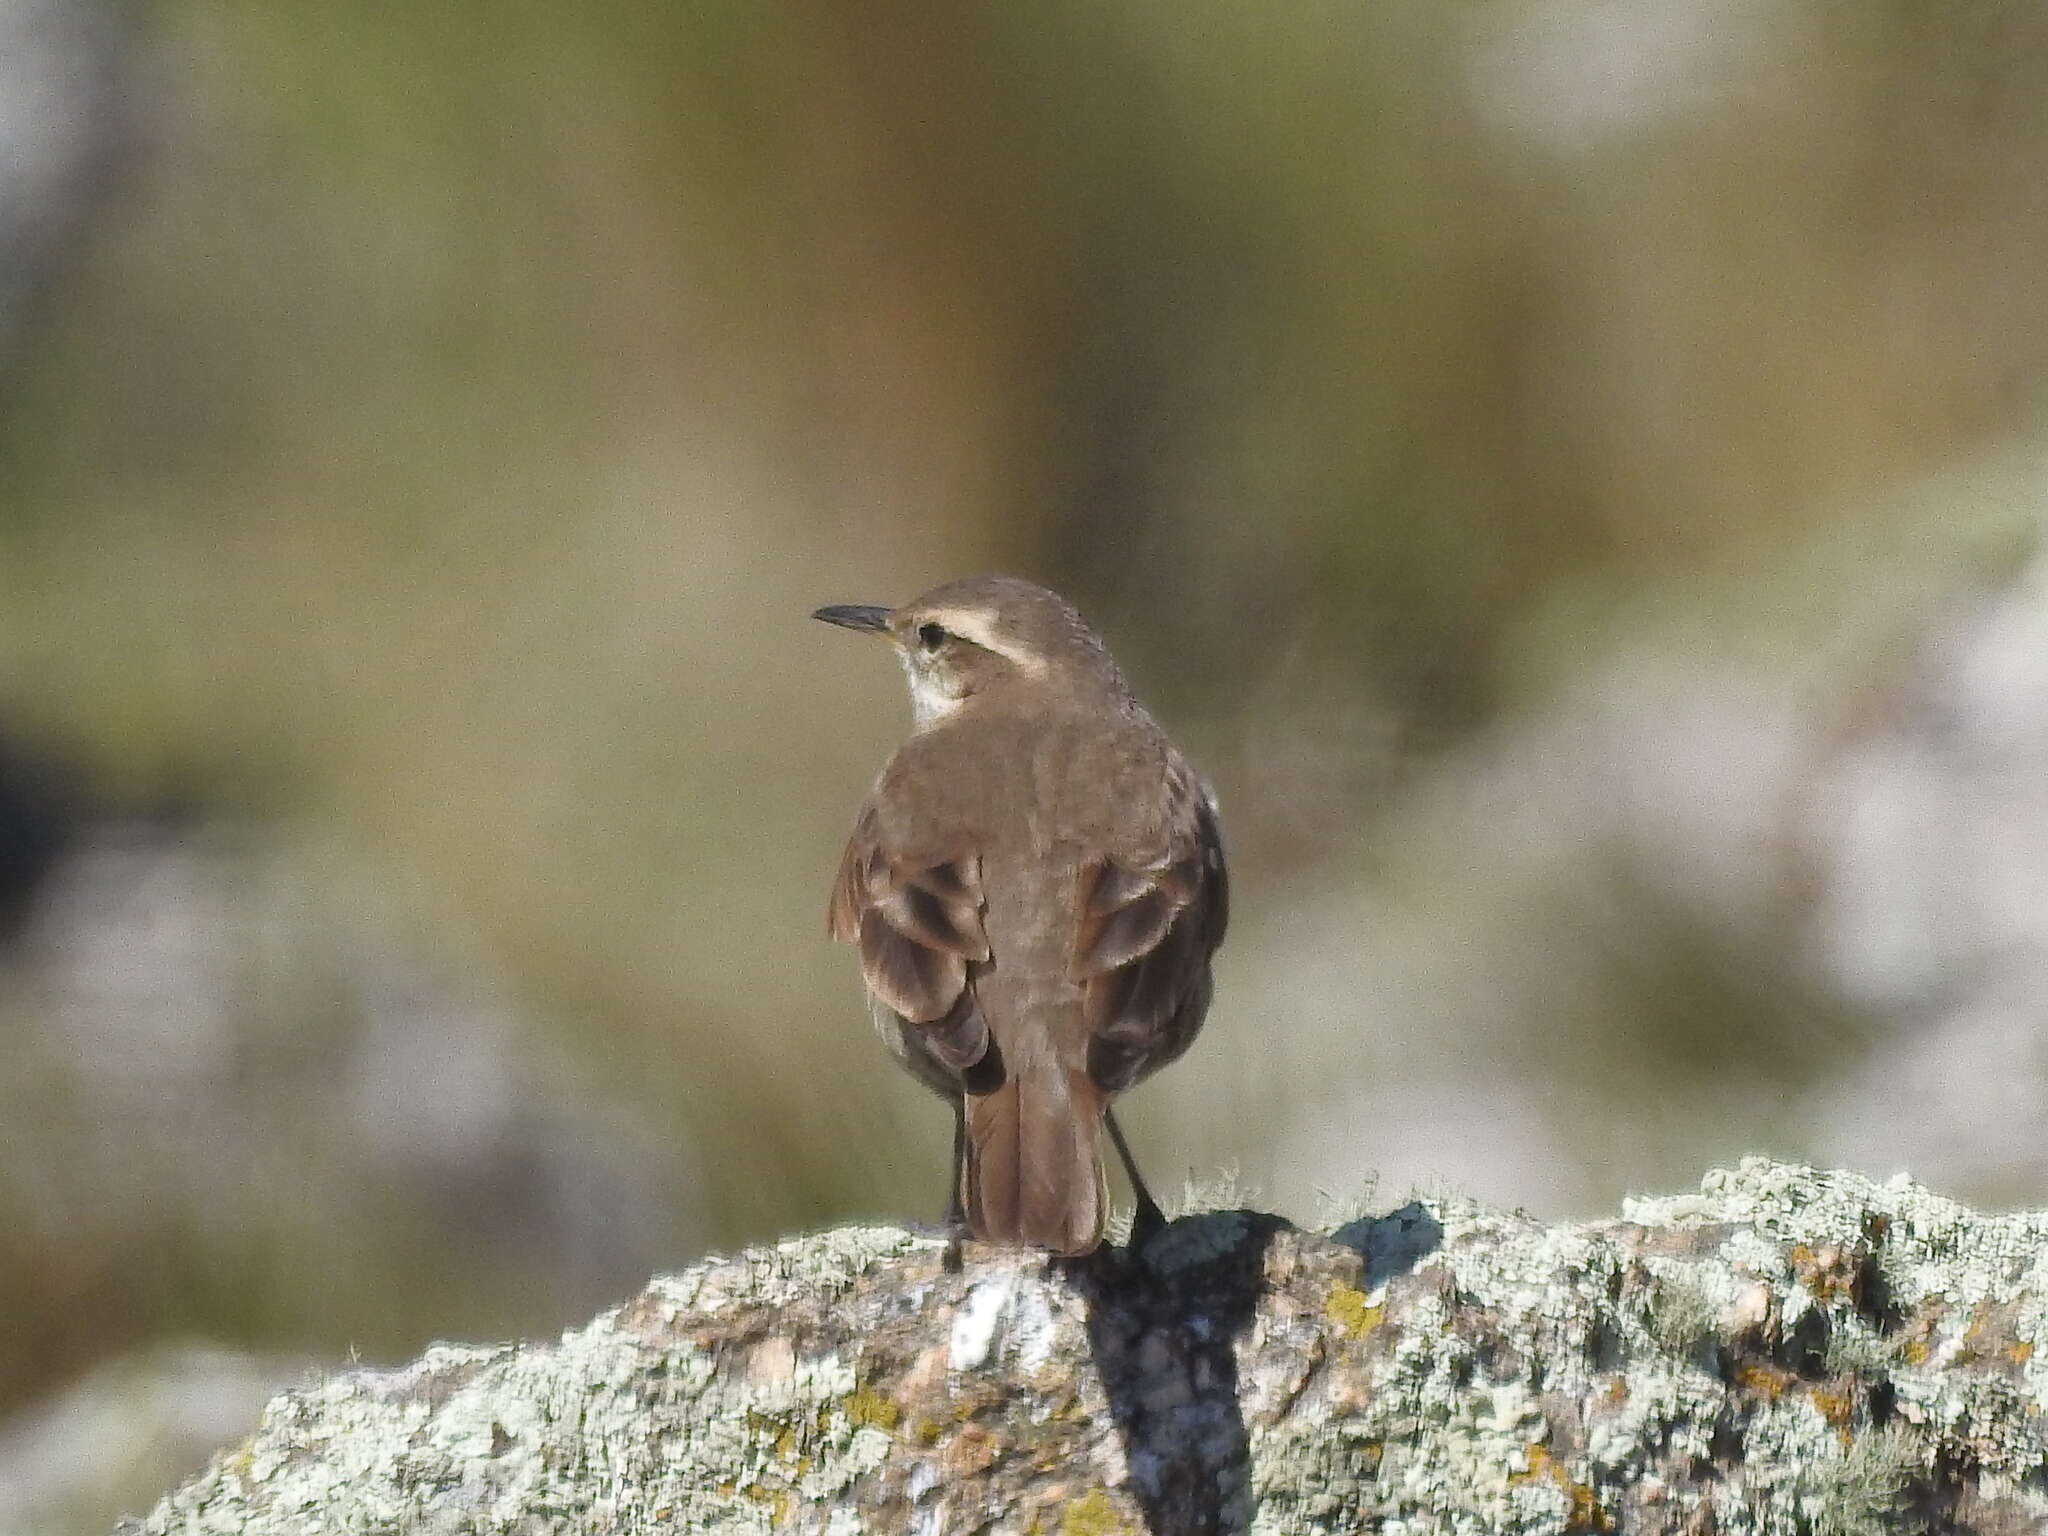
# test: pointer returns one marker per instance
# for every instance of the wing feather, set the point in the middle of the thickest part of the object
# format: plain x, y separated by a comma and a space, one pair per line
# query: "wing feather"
1111, 940
1146, 932
917, 920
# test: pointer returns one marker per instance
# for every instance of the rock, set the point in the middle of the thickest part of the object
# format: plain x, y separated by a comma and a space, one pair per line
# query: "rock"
1787, 1350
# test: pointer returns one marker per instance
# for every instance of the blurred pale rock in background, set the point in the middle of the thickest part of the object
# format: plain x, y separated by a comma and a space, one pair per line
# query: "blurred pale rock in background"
110, 1439
1929, 834
1569, 72
168, 1114
64, 123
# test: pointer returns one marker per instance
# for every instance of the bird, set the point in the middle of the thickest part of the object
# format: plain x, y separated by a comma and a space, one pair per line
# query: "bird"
1037, 884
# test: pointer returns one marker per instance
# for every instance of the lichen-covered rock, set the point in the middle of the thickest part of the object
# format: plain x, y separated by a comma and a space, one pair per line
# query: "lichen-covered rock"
1787, 1351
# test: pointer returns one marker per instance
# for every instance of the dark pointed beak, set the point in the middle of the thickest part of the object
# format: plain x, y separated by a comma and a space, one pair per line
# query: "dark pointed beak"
856, 616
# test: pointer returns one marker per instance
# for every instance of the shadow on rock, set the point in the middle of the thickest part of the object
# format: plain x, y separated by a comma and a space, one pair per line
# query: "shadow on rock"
1392, 1244
1160, 1327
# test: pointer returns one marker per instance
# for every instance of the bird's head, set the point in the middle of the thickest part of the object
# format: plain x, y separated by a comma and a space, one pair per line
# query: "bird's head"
986, 637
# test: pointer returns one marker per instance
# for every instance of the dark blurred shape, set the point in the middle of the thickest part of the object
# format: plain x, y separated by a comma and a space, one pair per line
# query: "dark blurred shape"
38, 823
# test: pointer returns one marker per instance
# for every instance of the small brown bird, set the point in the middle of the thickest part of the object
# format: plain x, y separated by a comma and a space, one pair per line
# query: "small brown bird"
1036, 884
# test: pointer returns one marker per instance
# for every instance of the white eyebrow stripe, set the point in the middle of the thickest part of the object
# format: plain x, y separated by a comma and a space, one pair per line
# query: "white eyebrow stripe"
973, 624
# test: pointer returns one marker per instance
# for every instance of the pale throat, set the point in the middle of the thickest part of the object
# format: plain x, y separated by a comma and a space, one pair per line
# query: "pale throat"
930, 700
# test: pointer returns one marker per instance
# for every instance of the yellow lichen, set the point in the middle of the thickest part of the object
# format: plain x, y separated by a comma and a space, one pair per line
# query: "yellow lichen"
1983, 1339
1349, 1310
1970, 1347
780, 1502
865, 1406
1094, 1514
1837, 1408
1916, 1342
1768, 1381
778, 1432
1585, 1510
1828, 1272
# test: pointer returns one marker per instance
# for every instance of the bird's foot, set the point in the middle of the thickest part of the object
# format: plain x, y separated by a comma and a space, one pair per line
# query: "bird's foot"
955, 1225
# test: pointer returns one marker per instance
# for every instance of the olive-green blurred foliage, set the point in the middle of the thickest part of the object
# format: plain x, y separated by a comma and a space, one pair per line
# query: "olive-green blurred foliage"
456, 412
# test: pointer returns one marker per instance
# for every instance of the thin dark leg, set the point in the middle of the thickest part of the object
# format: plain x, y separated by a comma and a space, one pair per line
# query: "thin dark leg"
956, 1213
1149, 1218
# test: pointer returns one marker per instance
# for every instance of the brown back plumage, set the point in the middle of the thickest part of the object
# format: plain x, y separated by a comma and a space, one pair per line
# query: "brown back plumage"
1036, 884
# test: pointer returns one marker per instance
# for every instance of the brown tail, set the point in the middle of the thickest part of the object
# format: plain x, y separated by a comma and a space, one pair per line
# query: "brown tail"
1034, 1161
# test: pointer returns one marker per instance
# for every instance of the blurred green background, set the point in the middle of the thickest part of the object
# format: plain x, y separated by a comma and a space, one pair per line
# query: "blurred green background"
1568, 470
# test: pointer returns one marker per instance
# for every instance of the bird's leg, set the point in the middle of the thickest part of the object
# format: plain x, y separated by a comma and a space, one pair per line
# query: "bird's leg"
955, 1219
1149, 1219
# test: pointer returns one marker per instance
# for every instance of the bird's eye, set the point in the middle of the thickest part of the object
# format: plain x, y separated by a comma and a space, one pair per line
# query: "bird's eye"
930, 636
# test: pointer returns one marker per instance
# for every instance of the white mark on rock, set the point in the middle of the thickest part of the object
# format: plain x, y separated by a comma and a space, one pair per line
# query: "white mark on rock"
977, 1323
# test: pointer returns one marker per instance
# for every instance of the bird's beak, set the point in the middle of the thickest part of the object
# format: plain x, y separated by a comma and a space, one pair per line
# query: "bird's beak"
856, 616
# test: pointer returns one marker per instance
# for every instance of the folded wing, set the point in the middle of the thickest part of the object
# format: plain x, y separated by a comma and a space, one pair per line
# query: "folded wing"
1147, 925
917, 920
